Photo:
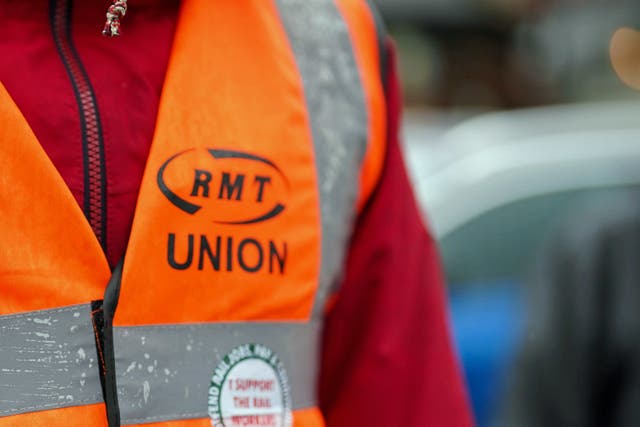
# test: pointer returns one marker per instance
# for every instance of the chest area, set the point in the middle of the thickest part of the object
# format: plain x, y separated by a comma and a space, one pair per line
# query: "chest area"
250, 181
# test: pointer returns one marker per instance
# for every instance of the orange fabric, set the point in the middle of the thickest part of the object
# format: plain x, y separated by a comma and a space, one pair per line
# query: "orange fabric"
76, 416
49, 257
362, 30
216, 97
310, 417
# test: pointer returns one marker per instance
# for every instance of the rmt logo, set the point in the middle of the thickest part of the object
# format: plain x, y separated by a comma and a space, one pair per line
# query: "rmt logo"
228, 186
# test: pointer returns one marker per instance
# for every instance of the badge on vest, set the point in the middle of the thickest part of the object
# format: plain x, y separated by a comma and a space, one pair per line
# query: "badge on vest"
249, 387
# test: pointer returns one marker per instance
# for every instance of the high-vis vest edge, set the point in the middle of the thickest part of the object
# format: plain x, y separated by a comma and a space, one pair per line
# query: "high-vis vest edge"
269, 139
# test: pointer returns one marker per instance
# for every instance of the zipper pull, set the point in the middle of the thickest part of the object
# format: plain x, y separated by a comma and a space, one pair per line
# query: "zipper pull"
115, 12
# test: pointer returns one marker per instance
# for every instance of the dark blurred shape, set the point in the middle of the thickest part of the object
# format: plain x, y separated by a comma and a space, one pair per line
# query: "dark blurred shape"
566, 44
456, 53
580, 364
485, 13
501, 54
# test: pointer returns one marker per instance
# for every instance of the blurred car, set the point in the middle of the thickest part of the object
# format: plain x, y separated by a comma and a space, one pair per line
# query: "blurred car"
470, 12
493, 187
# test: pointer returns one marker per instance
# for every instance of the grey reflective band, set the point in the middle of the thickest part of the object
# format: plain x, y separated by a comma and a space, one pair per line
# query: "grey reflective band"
163, 372
48, 360
338, 115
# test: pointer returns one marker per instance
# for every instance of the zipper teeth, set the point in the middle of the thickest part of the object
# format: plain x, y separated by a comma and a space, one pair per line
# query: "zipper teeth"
91, 131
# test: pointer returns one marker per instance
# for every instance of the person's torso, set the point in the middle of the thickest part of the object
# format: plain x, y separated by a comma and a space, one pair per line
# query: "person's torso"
267, 141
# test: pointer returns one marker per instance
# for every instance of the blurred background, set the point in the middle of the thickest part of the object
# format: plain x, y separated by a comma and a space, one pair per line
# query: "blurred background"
518, 114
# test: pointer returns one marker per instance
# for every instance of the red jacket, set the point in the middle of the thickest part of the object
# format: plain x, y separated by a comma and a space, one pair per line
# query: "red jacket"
387, 357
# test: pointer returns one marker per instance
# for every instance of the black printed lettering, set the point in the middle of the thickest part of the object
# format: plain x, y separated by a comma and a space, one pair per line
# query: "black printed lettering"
261, 180
229, 253
229, 188
279, 257
171, 252
242, 255
201, 182
205, 248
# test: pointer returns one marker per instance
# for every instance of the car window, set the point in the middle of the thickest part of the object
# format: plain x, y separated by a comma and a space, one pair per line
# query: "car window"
500, 244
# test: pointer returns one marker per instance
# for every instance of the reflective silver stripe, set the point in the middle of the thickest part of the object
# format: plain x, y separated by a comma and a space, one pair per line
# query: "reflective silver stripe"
338, 114
164, 371
48, 360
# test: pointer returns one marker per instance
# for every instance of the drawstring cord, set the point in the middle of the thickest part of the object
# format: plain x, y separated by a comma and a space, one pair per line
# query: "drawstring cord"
115, 12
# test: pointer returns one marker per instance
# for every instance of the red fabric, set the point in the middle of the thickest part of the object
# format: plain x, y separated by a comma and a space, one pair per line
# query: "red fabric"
387, 357
126, 74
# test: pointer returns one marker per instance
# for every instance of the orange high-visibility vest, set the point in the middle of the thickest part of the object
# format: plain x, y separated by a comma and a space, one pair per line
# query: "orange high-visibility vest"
269, 140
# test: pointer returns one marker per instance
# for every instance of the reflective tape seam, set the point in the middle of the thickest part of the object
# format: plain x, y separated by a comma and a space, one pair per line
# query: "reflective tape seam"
48, 360
164, 372
338, 118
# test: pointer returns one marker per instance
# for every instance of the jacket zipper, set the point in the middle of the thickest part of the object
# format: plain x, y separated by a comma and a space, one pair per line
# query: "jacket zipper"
95, 205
